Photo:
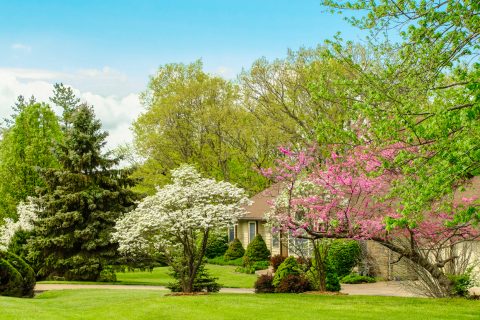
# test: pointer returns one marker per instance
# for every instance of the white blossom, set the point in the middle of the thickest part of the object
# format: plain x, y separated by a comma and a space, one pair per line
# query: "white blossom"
27, 214
190, 204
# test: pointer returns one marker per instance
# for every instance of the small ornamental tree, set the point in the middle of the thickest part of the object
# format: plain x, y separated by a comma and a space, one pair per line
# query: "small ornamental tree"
178, 220
256, 251
348, 196
235, 250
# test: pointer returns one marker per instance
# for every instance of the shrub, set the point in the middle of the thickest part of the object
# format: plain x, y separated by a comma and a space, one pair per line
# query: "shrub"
261, 265
461, 284
332, 283
107, 275
235, 250
222, 262
293, 283
26, 272
264, 284
203, 282
343, 255
256, 251
217, 245
250, 269
11, 283
276, 260
288, 267
356, 278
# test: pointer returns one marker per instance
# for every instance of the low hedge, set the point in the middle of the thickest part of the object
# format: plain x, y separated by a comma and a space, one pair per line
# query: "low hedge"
356, 278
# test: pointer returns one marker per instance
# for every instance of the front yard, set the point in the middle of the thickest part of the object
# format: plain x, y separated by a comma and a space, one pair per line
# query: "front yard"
226, 275
101, 304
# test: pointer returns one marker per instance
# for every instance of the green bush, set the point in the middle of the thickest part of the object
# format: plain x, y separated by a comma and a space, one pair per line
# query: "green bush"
250, 269
287, 267
107, 275
461, 284
256, 251
293, 283
203, 282
264, 284
11, 282
356, 278
217, 245
343, 255
235, 250
222, 262
332, 282
26, 272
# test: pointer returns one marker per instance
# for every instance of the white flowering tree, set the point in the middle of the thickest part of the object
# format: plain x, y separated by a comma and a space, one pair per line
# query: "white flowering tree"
178, 220
27, 214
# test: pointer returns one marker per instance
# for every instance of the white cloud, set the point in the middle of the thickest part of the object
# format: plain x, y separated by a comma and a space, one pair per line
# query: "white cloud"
225, 72
116, 112
20, 47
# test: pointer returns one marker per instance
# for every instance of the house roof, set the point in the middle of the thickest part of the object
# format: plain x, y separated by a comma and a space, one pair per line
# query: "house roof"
262, 203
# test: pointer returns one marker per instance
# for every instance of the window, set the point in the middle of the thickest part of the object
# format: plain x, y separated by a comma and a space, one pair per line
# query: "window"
231, 234
252, 230
275, 240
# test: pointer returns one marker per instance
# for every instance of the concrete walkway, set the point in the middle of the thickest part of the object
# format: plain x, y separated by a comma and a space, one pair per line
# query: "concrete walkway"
384, 288
48, 287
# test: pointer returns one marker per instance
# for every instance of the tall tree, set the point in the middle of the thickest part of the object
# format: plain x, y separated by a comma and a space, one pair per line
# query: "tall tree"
80, 203
194, 117
26, 146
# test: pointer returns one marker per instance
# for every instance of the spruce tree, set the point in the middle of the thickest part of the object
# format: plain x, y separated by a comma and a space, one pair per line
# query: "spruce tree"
80, 203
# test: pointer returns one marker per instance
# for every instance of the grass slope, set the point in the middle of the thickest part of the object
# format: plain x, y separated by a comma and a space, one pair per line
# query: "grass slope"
133, 304
159, 276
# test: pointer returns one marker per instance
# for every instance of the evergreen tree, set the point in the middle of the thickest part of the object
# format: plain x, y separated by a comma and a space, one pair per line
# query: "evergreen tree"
80, 203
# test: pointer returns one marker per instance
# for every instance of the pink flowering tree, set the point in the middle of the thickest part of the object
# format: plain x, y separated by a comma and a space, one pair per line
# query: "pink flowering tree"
352, 196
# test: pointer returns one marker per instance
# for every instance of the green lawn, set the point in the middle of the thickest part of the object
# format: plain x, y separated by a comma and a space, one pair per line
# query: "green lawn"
135, 304
159, 276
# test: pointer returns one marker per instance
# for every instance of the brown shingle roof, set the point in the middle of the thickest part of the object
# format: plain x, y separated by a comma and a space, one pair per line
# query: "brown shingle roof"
262, 203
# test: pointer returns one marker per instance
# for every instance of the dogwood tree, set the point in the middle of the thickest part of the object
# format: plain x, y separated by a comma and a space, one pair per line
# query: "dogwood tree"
178, 220
348, 196
27, 214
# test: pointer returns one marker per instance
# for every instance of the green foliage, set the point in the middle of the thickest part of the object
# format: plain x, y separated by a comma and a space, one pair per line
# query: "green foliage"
217, 245
11, 282
107, 275
26, 272
235, 250
293, 283
222, 262
264, 284
356, 278
462, 283
81, 202
203, 282
332, 282
251, 268
276, 261
256, 251
17, 278
194, 117
26, 147
343, 255
288, 267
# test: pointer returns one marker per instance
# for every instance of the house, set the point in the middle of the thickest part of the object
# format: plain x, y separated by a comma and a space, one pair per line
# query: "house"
254, 222
381, 261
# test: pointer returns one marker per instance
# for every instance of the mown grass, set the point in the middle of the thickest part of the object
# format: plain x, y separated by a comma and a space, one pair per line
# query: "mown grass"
226, 275
137, 304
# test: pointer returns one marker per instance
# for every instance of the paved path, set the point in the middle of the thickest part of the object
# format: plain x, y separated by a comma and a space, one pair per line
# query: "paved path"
384, 288
48, 287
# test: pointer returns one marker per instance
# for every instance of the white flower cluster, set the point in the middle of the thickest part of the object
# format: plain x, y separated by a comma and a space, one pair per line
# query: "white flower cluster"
191, 203
27, 214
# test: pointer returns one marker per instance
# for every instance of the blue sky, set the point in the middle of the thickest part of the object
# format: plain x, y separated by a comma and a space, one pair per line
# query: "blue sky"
107, 49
